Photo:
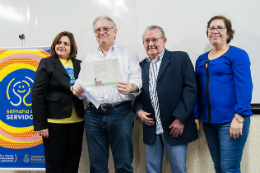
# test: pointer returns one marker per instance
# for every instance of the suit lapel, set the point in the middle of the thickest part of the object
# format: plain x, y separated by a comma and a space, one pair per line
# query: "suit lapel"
59, 66
76, 68
164, 63
145, 77
146, 68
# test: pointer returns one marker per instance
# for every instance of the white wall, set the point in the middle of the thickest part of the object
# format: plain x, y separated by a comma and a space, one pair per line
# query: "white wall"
42, 20
184, 23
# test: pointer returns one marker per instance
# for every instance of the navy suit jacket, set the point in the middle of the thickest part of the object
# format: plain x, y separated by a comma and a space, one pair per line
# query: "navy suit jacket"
176, 91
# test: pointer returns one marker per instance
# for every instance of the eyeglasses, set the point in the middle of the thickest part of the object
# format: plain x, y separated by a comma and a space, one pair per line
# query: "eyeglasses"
219, 29
105, 30
154, 40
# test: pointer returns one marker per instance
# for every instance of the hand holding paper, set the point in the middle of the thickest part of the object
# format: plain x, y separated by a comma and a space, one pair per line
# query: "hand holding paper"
77, 90
126, 88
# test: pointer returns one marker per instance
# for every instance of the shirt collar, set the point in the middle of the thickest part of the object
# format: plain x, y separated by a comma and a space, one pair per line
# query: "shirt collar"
111, 48
64, 60
158, 58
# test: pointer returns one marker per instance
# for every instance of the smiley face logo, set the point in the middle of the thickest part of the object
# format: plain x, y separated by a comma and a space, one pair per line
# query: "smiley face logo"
21, 89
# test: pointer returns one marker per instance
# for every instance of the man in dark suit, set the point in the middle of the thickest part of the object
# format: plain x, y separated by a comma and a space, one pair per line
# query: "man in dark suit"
166, 103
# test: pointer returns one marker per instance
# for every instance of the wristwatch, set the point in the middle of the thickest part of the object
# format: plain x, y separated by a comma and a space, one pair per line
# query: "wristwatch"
239, 118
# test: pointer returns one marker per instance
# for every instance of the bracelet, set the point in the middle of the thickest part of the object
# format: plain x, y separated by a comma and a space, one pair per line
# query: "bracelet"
239, 118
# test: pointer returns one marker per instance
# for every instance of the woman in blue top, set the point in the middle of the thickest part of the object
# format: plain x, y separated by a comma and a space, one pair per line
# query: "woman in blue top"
224, 95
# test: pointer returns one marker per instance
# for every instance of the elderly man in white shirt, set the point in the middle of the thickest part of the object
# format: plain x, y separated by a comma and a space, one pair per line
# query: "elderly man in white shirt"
112, 123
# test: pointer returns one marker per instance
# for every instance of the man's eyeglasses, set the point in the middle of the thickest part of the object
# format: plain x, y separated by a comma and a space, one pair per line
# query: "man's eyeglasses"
219, 29
105, 30
154, 40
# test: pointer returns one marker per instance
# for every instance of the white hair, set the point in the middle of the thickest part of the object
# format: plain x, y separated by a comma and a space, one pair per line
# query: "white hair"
152, 27
104, 17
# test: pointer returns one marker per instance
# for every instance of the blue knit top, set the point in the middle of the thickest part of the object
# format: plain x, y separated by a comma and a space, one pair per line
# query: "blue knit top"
224, 86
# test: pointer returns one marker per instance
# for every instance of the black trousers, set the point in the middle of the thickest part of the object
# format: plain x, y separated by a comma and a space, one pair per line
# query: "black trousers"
63, 147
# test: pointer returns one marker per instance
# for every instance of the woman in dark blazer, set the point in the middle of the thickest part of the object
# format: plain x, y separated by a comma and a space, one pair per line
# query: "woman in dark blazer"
224, 95
57, 113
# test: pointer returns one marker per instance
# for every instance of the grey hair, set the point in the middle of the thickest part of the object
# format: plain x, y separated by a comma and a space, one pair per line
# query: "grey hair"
152, 27
104, 17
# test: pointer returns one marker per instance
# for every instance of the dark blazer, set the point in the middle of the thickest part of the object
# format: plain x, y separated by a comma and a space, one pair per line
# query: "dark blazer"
176, 91
51, 94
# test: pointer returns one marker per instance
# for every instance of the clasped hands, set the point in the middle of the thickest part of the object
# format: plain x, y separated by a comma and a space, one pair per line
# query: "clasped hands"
176, 127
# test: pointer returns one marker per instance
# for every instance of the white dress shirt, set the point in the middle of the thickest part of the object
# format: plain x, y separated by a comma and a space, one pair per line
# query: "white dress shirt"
129, 69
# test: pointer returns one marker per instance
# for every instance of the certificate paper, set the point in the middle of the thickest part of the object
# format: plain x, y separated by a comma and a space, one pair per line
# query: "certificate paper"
100, 74
91, 98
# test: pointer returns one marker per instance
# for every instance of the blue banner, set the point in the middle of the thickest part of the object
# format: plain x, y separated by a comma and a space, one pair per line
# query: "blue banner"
20, 146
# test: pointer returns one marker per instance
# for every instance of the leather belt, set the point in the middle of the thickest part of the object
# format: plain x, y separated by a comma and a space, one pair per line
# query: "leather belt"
111, 106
